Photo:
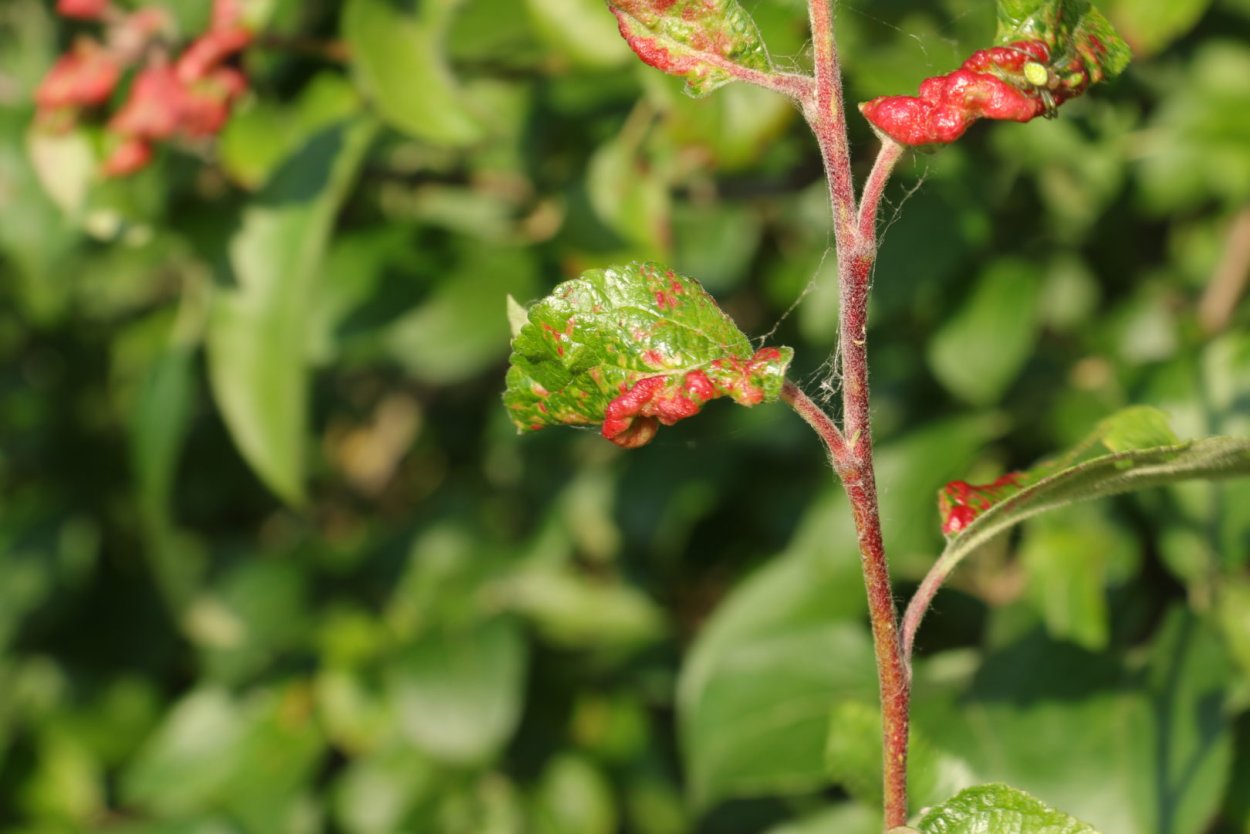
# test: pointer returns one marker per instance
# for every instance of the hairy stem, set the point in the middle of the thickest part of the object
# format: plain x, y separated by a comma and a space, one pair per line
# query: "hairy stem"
825, 111
920, 602
851, 450
820, 422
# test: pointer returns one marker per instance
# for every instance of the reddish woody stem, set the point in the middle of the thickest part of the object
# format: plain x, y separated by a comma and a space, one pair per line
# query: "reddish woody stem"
797, 87
874, 188
851, 449
825, 111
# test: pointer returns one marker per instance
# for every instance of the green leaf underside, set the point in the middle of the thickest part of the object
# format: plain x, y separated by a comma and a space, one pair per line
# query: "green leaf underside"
1072, 29
1143, 452
998, 809
692, 38
631, 346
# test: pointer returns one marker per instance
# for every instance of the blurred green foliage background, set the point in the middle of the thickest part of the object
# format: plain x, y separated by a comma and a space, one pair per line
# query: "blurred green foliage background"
272, 559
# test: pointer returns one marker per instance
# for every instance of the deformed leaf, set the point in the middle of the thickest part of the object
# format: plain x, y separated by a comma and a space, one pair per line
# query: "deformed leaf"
700, 39
1133, 429
998, 809
1143, 452
1049, 51
632, 347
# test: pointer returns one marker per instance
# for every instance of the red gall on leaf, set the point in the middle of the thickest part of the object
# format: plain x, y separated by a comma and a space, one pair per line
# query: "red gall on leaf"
210, 51
1018, 81
84, 77
153, 110
993, 83
82, 9
161, 107
131, 156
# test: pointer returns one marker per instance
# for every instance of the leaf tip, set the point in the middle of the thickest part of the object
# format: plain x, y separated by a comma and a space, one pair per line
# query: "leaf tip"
518, 316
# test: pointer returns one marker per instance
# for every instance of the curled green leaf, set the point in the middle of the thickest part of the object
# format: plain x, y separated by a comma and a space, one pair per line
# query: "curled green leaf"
1139, 434
703, 40
1131, 450
633, 347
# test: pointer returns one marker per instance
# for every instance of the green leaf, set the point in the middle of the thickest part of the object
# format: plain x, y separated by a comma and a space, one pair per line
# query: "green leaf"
1196, 141
1077, 34
847, 818
574, 797
979, 350
702, 40
1144, 453
1138, 745
998, 809
257, 333
630, 194
1152, 25
375, 792
754, 694
579, 612
458, 692
632, 347
1069, 560
65, 165
262, 133
158, 429
453, 334
214, 751
398, 64
579, 30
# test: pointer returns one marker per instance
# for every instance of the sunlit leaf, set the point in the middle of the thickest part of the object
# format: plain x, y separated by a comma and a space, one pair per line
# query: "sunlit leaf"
632, 347
458, 693
1001, 311
998, 809
398, 64
1149, 732
756, 689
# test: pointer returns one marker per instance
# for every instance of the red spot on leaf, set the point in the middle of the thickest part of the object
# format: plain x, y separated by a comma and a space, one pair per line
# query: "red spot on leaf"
961, 503
664, 301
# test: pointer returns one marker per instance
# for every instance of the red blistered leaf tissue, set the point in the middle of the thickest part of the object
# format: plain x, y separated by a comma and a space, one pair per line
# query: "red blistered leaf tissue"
172, 96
